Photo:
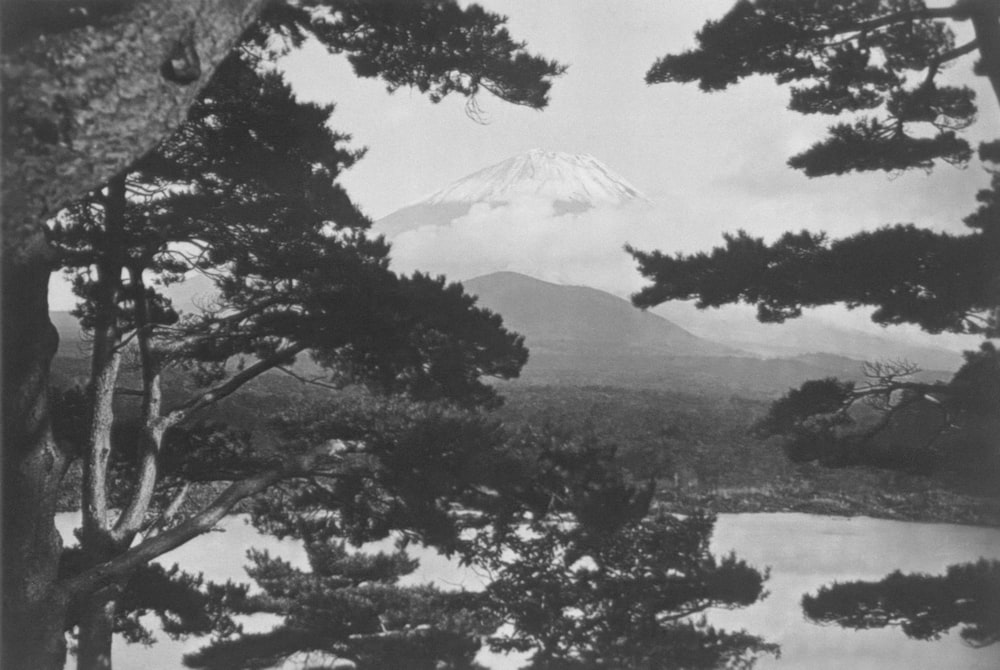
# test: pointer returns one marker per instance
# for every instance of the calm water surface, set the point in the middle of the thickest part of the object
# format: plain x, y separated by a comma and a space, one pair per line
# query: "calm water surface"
804, 552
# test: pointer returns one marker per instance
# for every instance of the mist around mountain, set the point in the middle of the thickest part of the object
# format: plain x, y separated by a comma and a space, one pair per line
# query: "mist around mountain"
564, 218
807, 335
579, 336
542, 234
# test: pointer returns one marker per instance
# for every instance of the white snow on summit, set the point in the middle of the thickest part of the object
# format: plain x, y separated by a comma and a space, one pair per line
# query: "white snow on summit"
575, 178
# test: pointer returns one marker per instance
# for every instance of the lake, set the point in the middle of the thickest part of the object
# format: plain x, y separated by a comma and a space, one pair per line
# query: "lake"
804, 552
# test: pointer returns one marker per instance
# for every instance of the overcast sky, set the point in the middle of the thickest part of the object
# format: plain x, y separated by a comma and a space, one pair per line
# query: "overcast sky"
713, 162
709, 162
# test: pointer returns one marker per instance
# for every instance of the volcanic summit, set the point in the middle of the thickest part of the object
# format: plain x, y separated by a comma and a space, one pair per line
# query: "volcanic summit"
570, 182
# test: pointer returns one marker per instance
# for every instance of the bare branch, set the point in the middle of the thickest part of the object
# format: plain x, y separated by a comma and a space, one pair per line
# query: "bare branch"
957, 52
890, 396
886, 372
227, 388
125, 341
314, 381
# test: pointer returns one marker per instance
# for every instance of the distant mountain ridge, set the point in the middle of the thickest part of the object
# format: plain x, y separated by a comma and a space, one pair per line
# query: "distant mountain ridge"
555, 317
570, 182
805, 335
480, 223
578, 335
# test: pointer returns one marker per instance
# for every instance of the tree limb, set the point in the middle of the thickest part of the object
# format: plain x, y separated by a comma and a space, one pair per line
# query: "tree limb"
955, 12
163, 542
105, 361
306, 380
985, 15
935, 65
130, 520
230, 386
169, 513
153, 547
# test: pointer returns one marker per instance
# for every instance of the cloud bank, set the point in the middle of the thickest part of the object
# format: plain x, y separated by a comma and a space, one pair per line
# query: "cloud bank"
528, 236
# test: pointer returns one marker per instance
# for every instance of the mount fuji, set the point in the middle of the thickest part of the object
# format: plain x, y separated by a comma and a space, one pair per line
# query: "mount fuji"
568, 182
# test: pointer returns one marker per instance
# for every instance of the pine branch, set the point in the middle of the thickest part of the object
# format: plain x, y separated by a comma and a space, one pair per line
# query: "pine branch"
315, 381
233, 384
153, 547
125, 564
955, 12
934, 66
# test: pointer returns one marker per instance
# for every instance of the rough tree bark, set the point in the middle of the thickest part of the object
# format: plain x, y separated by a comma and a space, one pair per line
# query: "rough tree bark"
97, 610
78, 106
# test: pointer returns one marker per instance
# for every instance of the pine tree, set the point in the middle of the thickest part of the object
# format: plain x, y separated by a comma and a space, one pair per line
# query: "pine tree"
877, 63
859, 58
349, 608
924, 607
625, 598
579, 573
855, 57
245, 194
396, 350
893, 420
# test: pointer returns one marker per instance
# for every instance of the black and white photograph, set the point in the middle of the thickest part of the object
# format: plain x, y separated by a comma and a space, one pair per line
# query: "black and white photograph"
500, 335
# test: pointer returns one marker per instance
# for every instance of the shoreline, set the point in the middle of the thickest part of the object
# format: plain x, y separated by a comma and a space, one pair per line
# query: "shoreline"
933, 507
926, 507
845, 493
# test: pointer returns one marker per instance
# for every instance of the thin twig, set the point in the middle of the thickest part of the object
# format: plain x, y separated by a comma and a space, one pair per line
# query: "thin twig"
305, 380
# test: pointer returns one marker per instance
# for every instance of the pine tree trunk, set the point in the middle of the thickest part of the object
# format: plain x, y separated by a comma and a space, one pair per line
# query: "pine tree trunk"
985, 16
79, 106
33, 467
96, 630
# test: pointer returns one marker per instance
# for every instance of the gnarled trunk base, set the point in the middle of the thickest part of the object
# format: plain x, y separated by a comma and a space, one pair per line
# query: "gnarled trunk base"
33, 466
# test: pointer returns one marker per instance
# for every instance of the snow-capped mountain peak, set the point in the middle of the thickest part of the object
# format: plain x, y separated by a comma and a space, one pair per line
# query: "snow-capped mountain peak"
568, 183
580, 179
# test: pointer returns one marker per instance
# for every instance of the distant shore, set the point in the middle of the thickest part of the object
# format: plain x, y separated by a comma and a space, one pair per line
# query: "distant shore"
859, 492
936, 506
